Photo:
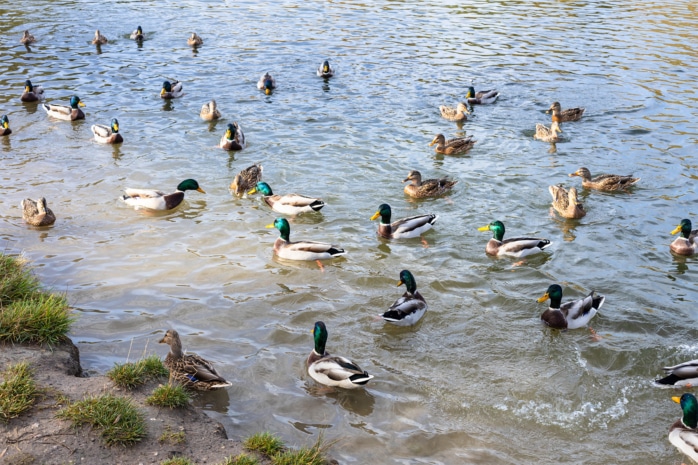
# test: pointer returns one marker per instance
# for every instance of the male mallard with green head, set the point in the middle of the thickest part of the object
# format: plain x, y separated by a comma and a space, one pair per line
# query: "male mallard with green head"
333, 370
411, 307
301, 250
31, 92
570, 315
687, 242
159, 200
288, 204
683, 434
107, 134
266, 83
325, 70
234, 138
483, 97
403, 228
515, 246
138, 35
171, 90
66, 113
5, 126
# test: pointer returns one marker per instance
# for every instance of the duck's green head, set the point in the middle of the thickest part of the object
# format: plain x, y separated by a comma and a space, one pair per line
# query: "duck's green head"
408, 280
497, 228
554, 293
261, 187
75, 102
139, 31
230, 131
28, 87
268, 85
166, 87
689, 405
320, 336
114, 125
384, 212
4, 122
282, 225
471, 92
326, 66
190, 185
684, 228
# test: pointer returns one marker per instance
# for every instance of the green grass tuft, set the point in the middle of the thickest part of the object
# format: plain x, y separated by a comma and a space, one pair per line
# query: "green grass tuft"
17, 392
265, 442
129, 375
117, 417
40, 319
170, 396
242, 459
177, 461
16, 280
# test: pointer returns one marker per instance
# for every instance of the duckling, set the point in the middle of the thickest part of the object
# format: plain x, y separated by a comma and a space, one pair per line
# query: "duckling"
428, 188
246, 179
27, 38
403, 228
301, 250
562, 116
233, 139
194, 40
66, 113
570, 315
157, 200
459, 113
5, 126
99, 38
138, 35
32, 93
107, 134
171, 90
411, 307
687, 242
604, 182
266, 83
209, 111
37, 213
683, 434
547, 134
566, 203
289, 204
684, 374
325, 70
515, 246
456, 146
190, 370
483, 97
332, 370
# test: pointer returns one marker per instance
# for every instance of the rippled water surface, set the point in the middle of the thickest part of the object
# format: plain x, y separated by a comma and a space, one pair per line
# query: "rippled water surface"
479, 380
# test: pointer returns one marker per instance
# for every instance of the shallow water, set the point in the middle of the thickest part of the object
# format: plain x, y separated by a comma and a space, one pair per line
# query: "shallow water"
479, 380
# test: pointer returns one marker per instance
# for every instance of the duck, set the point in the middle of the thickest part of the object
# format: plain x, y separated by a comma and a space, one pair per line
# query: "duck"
289, 204
427, 188
5, 126
171, 90
66, 113
454, 146
562, 116
266, 83
570, 315
411, 307
31, 93
37, 213
687, 242
547, 134
246, 179
157, 200
27, 38
233, 139
683, 434
190, 370
566, 203
604, 182
458, 113
209, 111
325, 70
333, 370
195, 40
483, 97
515, 246
403, 228
99, 38
684, 374
138, 35
107, 134
301, 250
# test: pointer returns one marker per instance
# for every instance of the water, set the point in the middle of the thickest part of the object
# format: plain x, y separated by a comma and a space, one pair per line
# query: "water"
479, 380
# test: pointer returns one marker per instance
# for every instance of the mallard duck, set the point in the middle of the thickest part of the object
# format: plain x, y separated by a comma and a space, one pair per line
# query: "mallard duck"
27, 38
301, 250
333, 370
411, 307
209, 111
158, 200
403, 228
566, 203
570, 315
325, 70
99, 38
37, 213
561, 116
687, 242
481, 98
683, 434
604, 182
194, 40
458, 113
454, 146
515, 246
233, 139
266, 83
138, 35
71, 113
32, 93
171, 90
5, 126
289, 204
428, 188
547, 134
107, 134
683, 374
190, 370
246, 179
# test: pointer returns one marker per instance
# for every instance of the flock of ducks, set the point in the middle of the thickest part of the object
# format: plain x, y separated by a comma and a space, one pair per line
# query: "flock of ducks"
195, 372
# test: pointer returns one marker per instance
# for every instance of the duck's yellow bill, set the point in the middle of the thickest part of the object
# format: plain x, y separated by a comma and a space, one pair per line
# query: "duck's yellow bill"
676, 399
376, 215
252, 191
400, 283
544, 298
269, 226
201, 190
677, 230
484, 228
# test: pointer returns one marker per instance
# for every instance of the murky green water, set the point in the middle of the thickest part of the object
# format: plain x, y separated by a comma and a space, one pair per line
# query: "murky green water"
479, 380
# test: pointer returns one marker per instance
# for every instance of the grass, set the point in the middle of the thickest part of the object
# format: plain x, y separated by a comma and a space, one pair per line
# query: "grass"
274, 448
172, 437
16, 280
17, 392
177, 461
242, 459
131, 374
170, 396
119, 420
265, 442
